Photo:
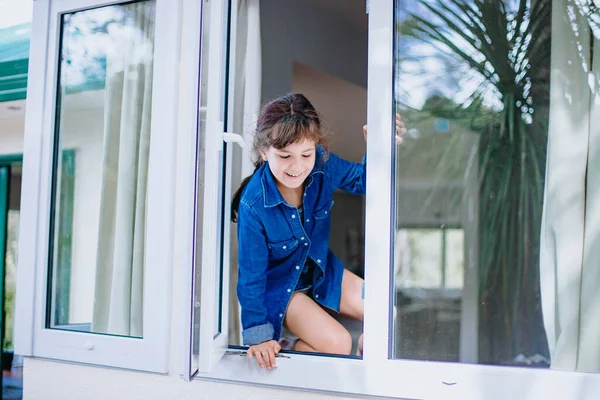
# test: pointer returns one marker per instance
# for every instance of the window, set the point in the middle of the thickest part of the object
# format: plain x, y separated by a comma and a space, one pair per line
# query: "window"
468, 191
97, 184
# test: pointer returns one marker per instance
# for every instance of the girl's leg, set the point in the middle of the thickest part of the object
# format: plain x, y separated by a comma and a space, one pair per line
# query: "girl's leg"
352, 303
318, 331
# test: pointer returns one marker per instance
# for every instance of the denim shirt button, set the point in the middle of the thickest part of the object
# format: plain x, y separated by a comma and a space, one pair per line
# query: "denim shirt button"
293, 215
316, 296
284, 247
297, 267
308, 220
280, 315
289, 290
319, 261
302, 238
306, 244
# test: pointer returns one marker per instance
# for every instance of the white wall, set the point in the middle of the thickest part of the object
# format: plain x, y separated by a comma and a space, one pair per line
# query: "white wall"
45, 380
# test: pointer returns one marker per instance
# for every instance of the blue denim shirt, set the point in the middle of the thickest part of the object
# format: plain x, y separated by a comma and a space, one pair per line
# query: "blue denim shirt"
274, 244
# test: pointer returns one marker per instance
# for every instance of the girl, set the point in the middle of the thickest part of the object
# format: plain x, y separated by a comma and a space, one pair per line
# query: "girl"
287, 273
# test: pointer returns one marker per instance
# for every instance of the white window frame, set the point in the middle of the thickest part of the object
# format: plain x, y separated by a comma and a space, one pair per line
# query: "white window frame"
150, 353
196, 178
377, 374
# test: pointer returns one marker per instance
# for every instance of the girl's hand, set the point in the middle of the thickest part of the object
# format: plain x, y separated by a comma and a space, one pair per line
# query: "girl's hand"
400, 129
265, 353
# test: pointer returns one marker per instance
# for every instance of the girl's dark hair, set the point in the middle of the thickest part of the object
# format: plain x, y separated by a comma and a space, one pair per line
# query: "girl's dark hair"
286, 120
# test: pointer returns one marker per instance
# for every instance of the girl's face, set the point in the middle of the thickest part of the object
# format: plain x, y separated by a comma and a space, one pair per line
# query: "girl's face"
292, 164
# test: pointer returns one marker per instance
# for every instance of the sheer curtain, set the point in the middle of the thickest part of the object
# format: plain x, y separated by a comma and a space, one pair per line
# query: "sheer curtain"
570, 241
248, 70
118, 299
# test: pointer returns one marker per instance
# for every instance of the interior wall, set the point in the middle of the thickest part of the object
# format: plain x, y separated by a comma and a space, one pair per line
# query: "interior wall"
293, 30
343, 108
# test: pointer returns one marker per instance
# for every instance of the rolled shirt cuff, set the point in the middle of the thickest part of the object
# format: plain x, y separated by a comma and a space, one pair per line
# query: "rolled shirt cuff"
258, 334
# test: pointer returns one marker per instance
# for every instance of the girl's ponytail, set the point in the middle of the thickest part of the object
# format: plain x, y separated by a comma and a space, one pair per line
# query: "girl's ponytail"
237, 197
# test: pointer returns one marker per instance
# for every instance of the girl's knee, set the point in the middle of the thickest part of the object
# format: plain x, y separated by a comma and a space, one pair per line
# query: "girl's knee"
339, 342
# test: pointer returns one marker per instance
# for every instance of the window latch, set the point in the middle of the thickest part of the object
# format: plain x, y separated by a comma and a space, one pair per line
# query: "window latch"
233, 138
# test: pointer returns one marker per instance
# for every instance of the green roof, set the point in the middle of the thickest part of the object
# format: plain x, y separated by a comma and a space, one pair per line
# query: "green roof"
14, 61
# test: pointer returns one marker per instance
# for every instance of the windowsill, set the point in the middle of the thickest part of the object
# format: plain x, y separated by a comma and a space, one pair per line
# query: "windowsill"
409, 379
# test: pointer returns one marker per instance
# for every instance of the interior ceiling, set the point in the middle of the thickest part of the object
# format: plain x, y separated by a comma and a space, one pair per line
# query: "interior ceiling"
351, 11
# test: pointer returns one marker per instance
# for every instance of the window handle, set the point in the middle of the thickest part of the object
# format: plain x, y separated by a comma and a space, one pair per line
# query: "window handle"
233, 138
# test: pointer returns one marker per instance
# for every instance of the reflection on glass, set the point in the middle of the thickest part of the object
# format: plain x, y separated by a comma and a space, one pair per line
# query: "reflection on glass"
100, 175
419, 258
454, 270
473, 86
12, 239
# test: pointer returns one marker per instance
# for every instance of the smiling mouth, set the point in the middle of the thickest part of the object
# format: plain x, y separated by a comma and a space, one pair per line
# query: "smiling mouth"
293, 175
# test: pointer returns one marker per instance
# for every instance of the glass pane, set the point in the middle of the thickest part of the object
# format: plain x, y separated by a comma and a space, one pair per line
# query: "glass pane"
472, 83
101, 169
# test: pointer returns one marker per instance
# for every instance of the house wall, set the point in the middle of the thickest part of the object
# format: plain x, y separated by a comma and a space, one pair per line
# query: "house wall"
45, 380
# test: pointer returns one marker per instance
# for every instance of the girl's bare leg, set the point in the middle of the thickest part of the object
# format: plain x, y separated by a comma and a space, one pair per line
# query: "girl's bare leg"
318, 331
352, 303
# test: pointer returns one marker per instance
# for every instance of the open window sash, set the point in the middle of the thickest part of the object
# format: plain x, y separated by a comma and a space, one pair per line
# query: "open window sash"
34, 335
209, 331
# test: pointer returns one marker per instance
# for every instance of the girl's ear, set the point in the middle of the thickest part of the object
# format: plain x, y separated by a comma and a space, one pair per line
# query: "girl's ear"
263, 155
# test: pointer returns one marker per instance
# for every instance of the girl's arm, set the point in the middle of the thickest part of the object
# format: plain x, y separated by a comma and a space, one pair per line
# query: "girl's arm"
252, 277
347, 175
350, 176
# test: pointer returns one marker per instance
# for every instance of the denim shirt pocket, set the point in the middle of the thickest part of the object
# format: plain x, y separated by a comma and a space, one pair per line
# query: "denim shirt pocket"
323, 211
282, 248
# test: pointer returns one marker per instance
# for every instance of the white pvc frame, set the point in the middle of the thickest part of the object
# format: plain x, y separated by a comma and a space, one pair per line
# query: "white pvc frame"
151, 352
377, 374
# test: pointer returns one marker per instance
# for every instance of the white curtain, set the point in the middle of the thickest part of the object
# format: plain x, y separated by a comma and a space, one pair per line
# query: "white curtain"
119, 291
570, 241
247, 103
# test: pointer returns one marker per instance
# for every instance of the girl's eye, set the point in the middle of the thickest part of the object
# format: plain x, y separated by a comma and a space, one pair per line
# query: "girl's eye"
284, 157
306, 155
